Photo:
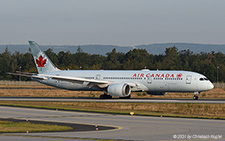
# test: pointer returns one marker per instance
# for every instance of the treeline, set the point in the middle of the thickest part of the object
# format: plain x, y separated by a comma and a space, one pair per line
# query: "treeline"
209, 64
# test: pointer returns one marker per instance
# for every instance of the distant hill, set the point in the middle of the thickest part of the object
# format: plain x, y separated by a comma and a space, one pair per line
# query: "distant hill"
196, 48
103, 49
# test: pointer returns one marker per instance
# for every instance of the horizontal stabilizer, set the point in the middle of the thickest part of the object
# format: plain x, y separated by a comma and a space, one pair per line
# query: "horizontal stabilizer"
30, 75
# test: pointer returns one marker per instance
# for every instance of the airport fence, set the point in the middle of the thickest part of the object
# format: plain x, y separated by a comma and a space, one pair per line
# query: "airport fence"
34, 83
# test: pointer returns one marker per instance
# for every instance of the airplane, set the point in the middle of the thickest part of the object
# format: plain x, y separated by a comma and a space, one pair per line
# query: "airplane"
119, 83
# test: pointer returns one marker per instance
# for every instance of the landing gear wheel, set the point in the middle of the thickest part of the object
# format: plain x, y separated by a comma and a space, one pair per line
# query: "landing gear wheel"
127, 97
105, 96
195, 97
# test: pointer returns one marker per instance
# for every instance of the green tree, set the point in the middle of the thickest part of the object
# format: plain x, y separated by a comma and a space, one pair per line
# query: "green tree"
185, 57
171, 60
52, 56
6, 64
137, 59
64, 59
112, 60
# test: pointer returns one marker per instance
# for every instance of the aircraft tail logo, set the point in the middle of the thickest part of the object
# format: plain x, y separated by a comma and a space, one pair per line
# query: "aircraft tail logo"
43, 63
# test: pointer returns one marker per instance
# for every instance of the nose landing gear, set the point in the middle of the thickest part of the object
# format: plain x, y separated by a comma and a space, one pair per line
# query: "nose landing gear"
196, 95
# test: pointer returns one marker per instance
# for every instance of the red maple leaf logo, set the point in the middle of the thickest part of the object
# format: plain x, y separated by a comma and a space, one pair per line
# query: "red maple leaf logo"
179, 75
41, 62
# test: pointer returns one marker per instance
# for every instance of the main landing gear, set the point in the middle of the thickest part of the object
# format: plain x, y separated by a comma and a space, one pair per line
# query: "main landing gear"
105, 96
196, 95
127, 97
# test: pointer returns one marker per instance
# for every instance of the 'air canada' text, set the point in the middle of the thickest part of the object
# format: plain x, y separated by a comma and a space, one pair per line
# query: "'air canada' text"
158, 75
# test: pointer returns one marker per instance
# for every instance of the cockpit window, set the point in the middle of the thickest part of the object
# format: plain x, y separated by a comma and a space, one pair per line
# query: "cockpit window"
206, 79
203, 79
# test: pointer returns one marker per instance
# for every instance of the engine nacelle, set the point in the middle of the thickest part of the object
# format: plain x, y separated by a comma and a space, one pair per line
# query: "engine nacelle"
156, 93
119, 89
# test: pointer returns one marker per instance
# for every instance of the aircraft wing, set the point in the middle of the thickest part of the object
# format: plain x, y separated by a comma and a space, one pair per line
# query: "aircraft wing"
91, 82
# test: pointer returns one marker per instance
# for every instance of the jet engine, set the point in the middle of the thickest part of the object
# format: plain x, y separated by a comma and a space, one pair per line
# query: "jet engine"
119, 89
157, 93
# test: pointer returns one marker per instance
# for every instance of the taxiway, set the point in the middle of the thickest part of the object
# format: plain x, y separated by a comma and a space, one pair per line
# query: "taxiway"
136, 128
137, 100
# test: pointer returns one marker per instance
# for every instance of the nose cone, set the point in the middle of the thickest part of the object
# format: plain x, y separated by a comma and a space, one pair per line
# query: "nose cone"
210, 86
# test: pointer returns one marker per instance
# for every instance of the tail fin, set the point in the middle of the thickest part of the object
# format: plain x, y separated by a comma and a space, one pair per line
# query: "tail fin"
43, 63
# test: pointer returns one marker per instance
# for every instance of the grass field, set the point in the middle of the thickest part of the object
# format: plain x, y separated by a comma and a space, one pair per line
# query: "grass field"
23, 127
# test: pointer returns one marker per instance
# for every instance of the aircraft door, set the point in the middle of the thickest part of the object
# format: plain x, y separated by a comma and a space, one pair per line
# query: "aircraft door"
149, 80
188, 79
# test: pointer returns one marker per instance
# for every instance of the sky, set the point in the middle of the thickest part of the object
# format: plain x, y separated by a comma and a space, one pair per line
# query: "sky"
112, 22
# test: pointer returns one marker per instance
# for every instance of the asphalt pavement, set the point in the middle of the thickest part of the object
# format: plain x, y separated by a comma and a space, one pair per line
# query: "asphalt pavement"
137, 100
126, 127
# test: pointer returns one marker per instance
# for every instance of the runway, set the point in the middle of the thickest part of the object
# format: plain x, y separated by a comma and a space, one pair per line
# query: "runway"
138, 128
147, 100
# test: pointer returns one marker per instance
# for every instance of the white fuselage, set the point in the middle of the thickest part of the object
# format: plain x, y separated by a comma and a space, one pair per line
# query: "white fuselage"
146, 80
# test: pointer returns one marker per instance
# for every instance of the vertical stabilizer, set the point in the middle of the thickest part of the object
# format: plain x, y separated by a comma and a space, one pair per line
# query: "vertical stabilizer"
41, 60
